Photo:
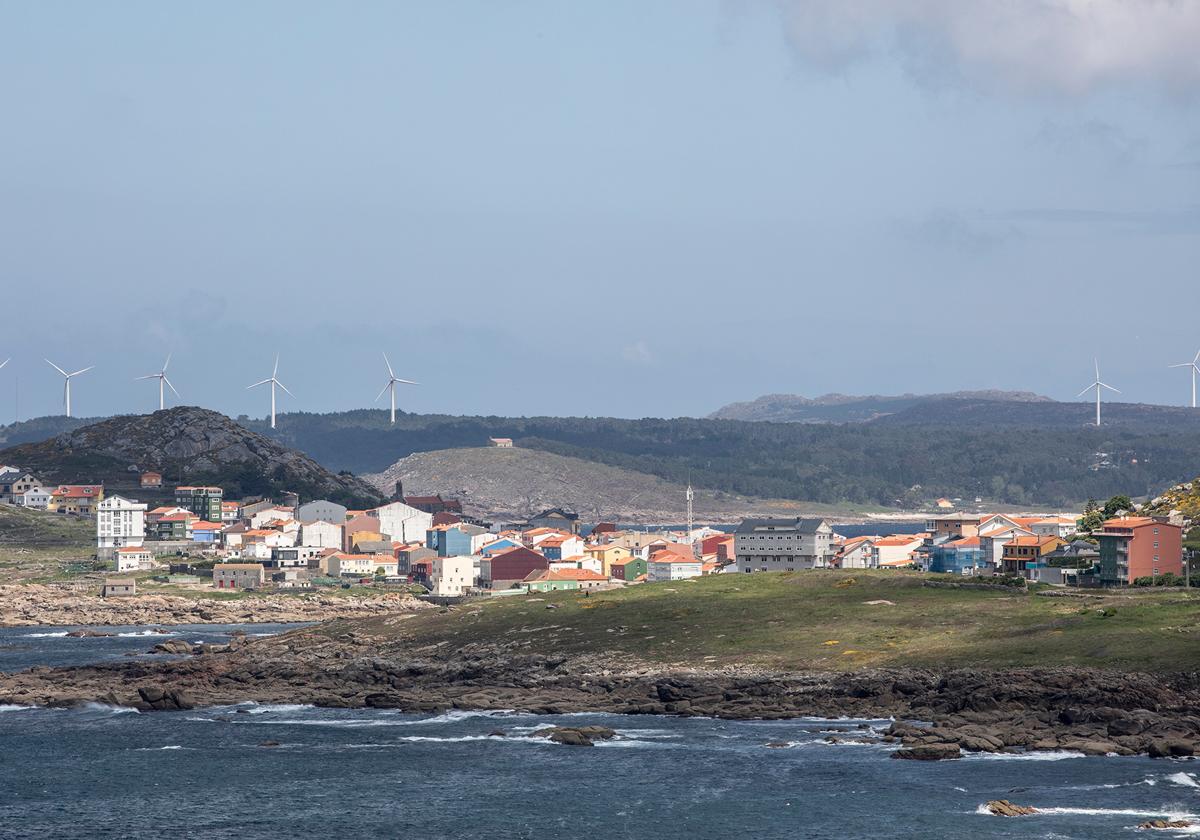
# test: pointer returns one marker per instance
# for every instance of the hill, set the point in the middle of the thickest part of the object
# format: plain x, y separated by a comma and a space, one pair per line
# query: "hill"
40, 428
890, 461
38, 545
842, 408
187, 445
516, 483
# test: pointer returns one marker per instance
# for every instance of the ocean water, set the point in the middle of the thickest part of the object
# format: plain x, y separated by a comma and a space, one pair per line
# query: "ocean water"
99, 772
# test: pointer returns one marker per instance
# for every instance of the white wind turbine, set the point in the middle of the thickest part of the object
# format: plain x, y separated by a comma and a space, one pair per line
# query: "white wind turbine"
1097, 385
391, 386
67, 384
161, 376
273, 381
1194, 364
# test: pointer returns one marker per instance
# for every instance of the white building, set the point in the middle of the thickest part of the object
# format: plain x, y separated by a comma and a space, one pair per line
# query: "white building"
667, 565
37, 498
119, 522
321, 534
132, 559
783, 545
362, 565
452, 576
402, 522
1055, 526
271, 514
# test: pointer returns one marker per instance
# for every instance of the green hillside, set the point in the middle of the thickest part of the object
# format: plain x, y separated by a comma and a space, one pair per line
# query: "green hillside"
823, 620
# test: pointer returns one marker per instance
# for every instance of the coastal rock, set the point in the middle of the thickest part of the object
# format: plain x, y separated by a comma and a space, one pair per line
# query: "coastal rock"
1004, 808
1165, 824
928, 752
575, 736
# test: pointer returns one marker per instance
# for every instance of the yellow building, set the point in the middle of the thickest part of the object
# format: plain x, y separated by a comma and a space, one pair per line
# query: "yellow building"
607, 554
77, 499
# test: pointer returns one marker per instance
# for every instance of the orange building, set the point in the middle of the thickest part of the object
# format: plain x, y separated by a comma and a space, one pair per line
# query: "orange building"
1138, 546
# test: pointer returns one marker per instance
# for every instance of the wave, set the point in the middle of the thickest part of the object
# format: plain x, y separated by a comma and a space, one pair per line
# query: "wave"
115, 710
1045, 755
158, 749
265, 708
13, 707
1103, 812
58, 635
137, 633
457, 739
455, 715
1183, 779
634, 743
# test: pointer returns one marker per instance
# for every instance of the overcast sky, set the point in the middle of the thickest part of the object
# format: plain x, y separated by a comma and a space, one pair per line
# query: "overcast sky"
608, 208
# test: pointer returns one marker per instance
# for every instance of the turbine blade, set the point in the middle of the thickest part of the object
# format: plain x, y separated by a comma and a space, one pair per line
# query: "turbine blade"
6, 361
1196, 361
256, 384
147, 376
1183, 364
384, 391
284, 387
1085, 390
56, 367
166, 363
85, 370
169, 385
406, 381
389, 366
1097, 361
1109, 387
275, 372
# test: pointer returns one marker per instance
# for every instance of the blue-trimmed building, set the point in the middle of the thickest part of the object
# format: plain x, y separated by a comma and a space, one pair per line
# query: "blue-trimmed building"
957, 557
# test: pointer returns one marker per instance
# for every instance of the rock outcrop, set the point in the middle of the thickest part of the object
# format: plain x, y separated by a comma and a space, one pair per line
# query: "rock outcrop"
187, 442
25, 605
1004, 808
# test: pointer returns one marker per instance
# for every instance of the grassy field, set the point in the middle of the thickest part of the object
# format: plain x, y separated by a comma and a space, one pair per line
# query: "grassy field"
825, 620
37, 546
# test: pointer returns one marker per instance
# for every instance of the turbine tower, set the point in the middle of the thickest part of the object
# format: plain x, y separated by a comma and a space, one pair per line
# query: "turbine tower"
1194, 364
273, 382
67, 383
391, 386
161, 376
1097, 385
691, 497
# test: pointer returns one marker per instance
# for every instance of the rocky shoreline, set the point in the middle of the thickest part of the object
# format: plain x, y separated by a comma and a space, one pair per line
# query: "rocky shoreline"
961, 710
30, 604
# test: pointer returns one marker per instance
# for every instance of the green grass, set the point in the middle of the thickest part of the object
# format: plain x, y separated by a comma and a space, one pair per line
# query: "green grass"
36, 546
821, 620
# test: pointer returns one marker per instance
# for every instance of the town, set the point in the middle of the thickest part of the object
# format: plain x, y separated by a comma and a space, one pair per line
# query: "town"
192, 536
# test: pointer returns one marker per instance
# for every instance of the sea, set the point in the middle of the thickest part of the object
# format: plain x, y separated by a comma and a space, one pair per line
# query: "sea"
295, 771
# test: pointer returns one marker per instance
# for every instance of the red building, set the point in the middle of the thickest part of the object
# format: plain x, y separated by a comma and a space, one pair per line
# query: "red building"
516, 564
1138, 546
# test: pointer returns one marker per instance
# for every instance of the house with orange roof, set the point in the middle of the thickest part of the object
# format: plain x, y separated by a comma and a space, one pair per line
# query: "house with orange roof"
1133, 547
561, 546
895, 550
669, 565
76, 499
344, 564
1021, 551
206, 532
994, 541
606, 554
855, 553
628, 569
579, 561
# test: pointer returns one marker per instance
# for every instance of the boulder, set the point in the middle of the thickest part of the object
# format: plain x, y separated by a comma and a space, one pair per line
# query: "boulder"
928, 752
575, 736
1169, 748
1004, 808
1165, 824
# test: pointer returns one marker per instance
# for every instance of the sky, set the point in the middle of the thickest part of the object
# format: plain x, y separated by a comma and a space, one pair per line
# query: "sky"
611, 208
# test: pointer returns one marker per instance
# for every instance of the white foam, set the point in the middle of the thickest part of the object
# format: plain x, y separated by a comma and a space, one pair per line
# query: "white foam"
59, 635
157, 749
635, 743
464, 738
12, 707
1101, 812
455, 715
1045, 755
1183, 779
140, 633
116, 710
256, 709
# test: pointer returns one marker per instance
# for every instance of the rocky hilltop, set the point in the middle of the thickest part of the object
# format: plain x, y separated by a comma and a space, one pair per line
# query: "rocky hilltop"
185, 444
516, 483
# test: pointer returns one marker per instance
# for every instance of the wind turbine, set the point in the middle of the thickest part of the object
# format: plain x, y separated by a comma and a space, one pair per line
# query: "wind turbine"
161, 376
67, 384
1194, 364
1097, 385
273, 381
391, 386
6, 361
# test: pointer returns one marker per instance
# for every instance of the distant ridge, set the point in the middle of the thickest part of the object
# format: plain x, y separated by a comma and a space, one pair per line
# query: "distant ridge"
844, 408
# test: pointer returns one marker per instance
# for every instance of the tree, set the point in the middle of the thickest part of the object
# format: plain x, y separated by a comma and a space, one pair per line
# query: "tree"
1117, 504
1092, 518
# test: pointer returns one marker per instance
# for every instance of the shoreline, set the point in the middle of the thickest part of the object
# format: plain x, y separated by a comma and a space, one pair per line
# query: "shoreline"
33, 605
1083, 710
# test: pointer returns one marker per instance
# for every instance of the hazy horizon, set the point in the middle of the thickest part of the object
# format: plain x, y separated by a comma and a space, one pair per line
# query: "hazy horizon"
619, 209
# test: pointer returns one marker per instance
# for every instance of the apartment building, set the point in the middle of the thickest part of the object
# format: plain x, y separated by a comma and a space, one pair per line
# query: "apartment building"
783, 545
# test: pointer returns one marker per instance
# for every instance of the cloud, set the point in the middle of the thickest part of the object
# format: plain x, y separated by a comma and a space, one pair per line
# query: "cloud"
1071, 46
1102, 138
